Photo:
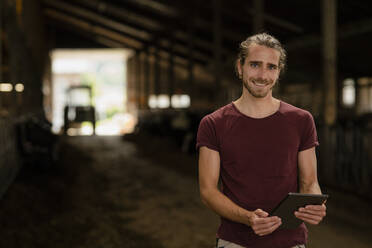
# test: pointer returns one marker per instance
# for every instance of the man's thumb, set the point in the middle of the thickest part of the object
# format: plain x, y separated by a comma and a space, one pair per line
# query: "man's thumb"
261, 213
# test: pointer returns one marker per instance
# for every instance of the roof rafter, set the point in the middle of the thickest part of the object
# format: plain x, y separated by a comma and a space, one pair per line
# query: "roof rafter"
112, 37
142, 36
345, 31
147, 23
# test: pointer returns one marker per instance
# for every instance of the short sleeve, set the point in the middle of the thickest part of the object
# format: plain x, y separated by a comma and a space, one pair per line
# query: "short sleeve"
309, 137
207, 135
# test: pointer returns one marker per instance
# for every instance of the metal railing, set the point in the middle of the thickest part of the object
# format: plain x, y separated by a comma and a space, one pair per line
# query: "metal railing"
347, 163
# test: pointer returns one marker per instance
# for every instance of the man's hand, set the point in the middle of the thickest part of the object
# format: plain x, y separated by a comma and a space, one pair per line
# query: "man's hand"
262, 224
312, 214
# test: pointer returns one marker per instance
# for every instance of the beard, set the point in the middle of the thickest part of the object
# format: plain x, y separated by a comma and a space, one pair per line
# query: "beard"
257, 92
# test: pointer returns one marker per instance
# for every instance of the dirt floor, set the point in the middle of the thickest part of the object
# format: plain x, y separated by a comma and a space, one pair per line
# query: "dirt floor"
137, 192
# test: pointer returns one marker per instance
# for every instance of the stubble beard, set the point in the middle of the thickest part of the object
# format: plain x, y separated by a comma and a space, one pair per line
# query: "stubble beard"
258, 93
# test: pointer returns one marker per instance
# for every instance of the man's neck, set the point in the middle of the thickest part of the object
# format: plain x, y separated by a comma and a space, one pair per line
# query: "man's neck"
256, 107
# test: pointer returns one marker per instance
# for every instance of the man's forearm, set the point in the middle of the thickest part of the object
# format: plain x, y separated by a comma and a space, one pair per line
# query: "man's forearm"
312, 214
310, 188
224, 207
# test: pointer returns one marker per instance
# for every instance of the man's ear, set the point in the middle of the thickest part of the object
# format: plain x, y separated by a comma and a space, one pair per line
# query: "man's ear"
238, 67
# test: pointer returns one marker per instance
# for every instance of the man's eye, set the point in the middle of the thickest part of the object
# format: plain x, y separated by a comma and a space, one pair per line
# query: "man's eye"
272, 67
254, 65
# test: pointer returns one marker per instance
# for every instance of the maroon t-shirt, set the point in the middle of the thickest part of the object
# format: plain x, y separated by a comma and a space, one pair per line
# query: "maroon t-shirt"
258, 165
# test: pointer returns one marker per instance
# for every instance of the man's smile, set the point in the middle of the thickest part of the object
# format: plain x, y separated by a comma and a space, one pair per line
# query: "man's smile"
260, 83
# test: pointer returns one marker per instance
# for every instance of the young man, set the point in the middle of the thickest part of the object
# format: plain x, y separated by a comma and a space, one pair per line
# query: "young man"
261, 148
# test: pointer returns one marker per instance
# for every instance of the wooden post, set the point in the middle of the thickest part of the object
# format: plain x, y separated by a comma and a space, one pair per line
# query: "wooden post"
1, 50
190, 48
329, 61
171, 70
329, 14
147, 77
157, 71
137, 81
130, 96
217, 48
27, 51
1, 42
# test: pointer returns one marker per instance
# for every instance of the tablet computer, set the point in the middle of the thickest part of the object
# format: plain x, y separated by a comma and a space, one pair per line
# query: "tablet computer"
291, 203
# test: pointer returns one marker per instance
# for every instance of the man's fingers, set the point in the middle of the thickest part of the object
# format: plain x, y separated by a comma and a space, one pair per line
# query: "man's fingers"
268, 229
316, 212
266, 221
316, 207
311, 214
309, 218
264, 224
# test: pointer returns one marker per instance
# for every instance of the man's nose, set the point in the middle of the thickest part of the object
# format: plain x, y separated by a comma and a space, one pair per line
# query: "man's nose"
262, 73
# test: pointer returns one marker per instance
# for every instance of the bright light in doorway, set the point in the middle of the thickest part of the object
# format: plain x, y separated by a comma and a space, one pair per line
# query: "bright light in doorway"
180, 101
19, 87
66, 65
160, 101
163, 101
6, 87
104, 71
348, 93
153, 101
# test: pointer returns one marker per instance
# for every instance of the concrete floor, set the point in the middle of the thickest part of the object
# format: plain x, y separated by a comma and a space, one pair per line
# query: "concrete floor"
137, 192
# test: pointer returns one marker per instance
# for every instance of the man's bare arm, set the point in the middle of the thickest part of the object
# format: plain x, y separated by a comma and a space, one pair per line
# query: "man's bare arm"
308, 183
307, 166
211, 196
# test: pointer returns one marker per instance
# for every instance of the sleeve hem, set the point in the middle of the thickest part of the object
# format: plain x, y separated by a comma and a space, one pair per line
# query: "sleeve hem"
206, 145
308, 146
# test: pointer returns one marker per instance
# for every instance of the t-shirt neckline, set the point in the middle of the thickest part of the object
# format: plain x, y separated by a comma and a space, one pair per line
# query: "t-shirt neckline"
263, 118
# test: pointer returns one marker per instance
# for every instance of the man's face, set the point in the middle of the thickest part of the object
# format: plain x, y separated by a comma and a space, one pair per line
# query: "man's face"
260, 70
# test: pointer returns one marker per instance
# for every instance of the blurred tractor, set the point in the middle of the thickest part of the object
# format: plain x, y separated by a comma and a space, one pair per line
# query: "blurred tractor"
79, 108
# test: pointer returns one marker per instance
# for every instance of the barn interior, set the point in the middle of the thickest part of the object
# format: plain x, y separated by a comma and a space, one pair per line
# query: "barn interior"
100, 103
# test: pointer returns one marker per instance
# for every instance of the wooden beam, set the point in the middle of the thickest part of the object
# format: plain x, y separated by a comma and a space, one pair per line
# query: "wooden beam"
137, 81
134, 33
145, 22
217, 37
157, 73
98, 18
147, 77
345, 31
91, 28
111, 35
278, 22
190, 45
157, 6
329, 23
174, 13
110, 43
1, 41
113, 38
171, 77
